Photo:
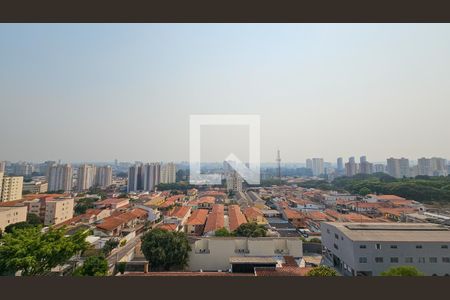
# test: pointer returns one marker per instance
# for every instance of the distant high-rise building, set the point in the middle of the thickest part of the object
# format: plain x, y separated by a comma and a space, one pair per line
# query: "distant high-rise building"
424, 166
2, 166
234, 182
317, 166
103, 177
340, 165
144, 177
439, 166
398, 168
168, 173
151, 176
45, 168
365, 167
434, 166
10, 188
86, 177
133, 178
379, 168
22, 169
351, 168
309, 164
60, 178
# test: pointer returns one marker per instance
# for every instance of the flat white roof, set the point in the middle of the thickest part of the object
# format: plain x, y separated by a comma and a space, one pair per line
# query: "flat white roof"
394, 232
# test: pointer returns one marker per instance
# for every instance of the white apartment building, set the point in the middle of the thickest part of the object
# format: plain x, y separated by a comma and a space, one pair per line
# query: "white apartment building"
10, 188
52, 210
168, 173
85, 177
398, 168
317, 166
234, 182
103, 176
60, 178
11, 215
218, 253
367, 249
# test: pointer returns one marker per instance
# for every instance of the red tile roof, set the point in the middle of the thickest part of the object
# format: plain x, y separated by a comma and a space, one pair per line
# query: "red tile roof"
293, 214
252, 213
215, 220
235, 217
110, 201
110, 223
180, 212
317, 216
207, 199
217, 208
198, 217
167, 226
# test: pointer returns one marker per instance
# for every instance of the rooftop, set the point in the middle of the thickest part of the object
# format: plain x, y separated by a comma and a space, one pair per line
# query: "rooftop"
398, 232
236, 217
198, 217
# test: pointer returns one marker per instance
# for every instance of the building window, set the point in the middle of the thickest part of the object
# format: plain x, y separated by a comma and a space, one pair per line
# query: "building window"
422, 260
378, 259
433, 260
336, 236
363, 260
362, 247
393, 246
444, 246
378, 246
328, 230
418, 246
336, 246
409, 260
446, 259
394, 260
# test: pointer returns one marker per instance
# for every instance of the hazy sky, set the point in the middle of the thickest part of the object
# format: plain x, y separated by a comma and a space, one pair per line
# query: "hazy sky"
86, 92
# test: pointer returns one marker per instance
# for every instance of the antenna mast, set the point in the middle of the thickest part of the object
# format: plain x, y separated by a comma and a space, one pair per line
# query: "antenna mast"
278, 160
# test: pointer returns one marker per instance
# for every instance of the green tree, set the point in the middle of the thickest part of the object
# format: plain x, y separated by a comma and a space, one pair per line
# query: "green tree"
20, 225
109, 246
406, 271
322, 271
36, 253
165, 249
364, 191
93, 266
83, 205
222, 232
121, 266
251, 229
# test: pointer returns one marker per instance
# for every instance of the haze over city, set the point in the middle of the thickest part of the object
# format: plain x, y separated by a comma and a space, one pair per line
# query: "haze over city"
102, 92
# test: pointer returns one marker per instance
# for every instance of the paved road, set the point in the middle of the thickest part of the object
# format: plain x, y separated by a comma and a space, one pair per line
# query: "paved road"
119, 253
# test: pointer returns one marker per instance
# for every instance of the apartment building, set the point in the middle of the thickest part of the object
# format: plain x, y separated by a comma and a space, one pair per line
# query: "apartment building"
220, 253
52, 211
60, 178
85, 177
398, 167
366, 249
35, 187
168, 173
10, 188
103, 177
11, 215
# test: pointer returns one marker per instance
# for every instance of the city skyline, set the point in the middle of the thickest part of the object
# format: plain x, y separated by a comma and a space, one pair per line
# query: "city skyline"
86, 92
